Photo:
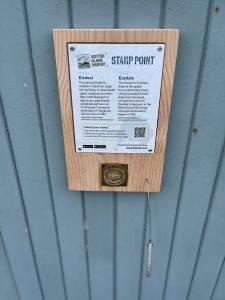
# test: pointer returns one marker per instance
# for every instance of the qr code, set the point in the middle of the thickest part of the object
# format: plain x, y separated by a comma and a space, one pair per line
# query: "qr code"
139, 132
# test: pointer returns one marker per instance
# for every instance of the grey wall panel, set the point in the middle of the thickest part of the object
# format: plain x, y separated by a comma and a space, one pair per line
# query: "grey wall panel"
203, 158
139, 13
218, 292
70, 245
92, 13
131, 215
130, 225
164, 205
99, 225
98, 207
24, 125
14, 225
8, 288
212, 249
67, 205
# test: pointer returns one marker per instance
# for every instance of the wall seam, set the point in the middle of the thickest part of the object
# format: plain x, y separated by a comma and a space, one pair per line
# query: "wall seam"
116, 14
70, 15
85, 224
163, 8
217, 279
115, 216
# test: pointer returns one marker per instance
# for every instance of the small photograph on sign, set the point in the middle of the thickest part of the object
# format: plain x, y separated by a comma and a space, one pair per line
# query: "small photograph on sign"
115, 96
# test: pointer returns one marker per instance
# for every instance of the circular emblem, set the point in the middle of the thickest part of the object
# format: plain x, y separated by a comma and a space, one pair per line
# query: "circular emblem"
114, 174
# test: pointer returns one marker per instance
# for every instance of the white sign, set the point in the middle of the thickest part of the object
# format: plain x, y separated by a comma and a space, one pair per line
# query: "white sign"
115, 95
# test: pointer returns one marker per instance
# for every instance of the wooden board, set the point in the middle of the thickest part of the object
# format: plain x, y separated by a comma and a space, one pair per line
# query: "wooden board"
83, 169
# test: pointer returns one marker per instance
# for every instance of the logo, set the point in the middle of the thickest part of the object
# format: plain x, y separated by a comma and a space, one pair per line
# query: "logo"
83, 61
114, 174
94, 60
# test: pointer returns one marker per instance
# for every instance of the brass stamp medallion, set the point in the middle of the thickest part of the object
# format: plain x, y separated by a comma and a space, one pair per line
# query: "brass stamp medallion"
114, 174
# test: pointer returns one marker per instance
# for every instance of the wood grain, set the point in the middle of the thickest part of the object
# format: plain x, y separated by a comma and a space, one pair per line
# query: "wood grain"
83, 169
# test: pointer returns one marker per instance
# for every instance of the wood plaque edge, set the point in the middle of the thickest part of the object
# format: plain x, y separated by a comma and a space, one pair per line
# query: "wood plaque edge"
83, 168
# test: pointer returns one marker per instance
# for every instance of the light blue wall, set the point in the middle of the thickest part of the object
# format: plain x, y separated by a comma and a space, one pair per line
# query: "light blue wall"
61, 245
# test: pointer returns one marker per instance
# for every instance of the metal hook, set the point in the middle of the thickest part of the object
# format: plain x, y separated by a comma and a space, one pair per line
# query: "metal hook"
149, 258
149, 244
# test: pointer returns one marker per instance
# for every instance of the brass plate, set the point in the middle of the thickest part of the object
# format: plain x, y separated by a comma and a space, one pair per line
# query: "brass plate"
114, 174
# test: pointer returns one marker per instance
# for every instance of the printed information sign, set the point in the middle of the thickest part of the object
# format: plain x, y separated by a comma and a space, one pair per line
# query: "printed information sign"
115, 96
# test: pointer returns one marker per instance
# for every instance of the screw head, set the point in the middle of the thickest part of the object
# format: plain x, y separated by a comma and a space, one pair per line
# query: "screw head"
159, 49
72, 48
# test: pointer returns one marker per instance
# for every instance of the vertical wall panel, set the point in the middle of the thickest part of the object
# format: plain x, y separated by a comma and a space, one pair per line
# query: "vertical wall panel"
219, 290
130, 231
99, 223
164, 204
131, 221
67, 205
19, 100
212, 250
202, 161
13, 225
139, 14
98, 206
92, 13
8, 289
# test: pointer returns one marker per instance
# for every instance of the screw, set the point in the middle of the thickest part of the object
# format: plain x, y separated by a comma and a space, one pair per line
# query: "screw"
216, 9
159, 49
149, 150
72, 48
194, 130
